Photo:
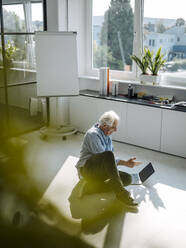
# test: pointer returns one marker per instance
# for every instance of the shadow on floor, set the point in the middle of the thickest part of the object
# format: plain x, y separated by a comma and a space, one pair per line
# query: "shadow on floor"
141, 192
147, 189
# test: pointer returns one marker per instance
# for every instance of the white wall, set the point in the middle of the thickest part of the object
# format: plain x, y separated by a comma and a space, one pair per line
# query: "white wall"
57, 21
52, 15
77, 14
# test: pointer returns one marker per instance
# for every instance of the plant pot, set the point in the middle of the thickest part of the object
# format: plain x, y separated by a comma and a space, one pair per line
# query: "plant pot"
150, 79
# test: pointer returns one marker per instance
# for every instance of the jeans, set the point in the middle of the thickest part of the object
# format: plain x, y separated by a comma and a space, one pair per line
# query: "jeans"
101, 169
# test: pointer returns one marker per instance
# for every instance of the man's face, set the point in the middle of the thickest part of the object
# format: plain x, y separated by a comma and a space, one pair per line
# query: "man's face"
109, 130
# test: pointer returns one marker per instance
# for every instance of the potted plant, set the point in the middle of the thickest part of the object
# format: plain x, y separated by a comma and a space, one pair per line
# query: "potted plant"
152, 64
155, 64
141, 62
10, 51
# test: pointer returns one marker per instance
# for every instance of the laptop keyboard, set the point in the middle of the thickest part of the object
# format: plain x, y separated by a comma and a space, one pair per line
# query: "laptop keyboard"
135, 179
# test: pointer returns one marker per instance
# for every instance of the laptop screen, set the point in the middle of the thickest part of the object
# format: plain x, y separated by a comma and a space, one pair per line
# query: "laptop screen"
146, 172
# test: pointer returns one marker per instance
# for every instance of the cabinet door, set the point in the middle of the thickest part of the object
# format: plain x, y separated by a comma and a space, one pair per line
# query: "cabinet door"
143, 126
121, 109
174, 132
83, 112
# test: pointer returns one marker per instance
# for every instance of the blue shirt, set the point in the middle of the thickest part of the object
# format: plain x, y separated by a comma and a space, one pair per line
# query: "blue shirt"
95, 141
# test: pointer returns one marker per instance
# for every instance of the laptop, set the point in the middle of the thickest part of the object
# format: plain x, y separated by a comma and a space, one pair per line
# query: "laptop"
143, 175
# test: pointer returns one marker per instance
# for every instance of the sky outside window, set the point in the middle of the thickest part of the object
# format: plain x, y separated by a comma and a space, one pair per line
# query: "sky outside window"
37, 14
165, 9
100, 6
165, 22
16, 8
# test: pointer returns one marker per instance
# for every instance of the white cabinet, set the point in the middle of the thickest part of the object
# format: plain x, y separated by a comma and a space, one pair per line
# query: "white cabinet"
149, 127
173, 138
83, 112
121, 109
144, 126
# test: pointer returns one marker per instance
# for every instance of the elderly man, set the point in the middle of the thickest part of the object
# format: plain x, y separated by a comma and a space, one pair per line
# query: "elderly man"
97, 164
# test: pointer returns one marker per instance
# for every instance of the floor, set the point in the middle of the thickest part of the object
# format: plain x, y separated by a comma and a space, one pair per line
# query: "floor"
160, 222
20, 120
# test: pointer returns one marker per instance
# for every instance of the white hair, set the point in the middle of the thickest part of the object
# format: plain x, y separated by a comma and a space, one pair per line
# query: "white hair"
108, 118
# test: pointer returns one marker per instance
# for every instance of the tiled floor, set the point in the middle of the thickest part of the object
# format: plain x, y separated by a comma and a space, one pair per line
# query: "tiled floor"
161, 220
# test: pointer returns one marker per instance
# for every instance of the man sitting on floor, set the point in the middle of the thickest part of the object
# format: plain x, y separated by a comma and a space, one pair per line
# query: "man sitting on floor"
97, 164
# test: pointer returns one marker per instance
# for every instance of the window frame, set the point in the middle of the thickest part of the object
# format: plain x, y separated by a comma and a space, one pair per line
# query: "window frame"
173, 81
137, 47
27, 32
118, 75
17, 2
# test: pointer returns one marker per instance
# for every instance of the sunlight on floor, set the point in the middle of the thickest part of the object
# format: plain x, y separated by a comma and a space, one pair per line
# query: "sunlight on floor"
160, 222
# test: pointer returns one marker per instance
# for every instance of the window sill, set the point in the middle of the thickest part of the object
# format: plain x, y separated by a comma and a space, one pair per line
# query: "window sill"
176, 87
112, 79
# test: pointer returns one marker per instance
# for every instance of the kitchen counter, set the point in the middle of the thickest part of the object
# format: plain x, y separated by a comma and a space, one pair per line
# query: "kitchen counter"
133, 100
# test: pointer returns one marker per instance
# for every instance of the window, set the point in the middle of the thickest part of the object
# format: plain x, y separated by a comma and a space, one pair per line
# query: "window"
169, 26
152, 42
14, 19
113, 35
113, 28
21, 20
37, 16
115, 31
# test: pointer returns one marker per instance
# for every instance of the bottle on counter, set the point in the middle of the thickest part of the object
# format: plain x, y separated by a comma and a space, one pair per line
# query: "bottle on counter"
115, 86
104, 81
130, 91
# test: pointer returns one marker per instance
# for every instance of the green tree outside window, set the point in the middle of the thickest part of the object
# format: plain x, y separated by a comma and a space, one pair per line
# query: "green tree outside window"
117, 34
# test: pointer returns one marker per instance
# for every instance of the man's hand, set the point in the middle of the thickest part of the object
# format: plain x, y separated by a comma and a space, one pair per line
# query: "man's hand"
131, 163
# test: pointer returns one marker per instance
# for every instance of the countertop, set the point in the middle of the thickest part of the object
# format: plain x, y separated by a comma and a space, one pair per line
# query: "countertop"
122, 98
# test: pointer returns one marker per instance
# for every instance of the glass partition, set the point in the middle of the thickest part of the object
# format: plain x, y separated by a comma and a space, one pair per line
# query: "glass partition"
21, 65
20, 109
14, 18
